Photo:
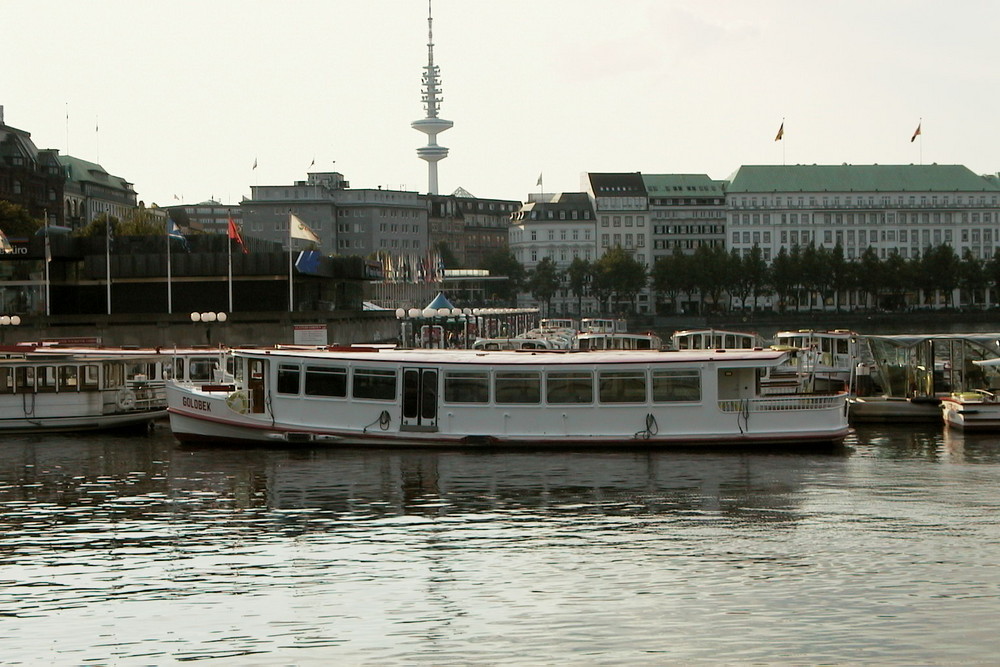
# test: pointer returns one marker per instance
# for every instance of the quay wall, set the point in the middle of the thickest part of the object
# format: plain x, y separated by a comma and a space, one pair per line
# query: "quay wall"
161, 330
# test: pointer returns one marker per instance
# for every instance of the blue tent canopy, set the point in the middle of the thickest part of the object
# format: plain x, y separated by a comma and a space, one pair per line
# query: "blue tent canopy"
440, 301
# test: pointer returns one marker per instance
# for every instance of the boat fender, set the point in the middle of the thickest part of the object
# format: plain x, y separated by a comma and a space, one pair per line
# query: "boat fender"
125, 398
238, 402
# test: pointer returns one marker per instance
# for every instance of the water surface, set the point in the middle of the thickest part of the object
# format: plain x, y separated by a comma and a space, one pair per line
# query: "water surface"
133, 550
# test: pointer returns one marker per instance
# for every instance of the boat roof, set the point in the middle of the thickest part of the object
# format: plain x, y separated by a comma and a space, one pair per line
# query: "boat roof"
765, 357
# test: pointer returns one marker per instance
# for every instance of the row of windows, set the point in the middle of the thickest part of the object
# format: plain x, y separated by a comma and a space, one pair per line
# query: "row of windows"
631, 241
864, 237
504, 387
616, 220
50, 379
864, 200
572, 387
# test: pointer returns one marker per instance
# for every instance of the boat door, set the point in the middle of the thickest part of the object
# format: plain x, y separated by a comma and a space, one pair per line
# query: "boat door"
420, 399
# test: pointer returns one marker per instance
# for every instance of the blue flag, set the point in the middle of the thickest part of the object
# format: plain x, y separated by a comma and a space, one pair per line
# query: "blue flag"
174, 232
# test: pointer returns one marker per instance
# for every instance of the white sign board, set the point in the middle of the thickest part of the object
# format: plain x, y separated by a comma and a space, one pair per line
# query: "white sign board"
309, 334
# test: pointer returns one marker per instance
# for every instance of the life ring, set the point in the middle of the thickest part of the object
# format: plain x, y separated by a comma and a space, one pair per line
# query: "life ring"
238, 402
125, 398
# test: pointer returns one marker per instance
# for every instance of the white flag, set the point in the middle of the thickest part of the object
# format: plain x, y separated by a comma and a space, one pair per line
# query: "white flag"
300, 230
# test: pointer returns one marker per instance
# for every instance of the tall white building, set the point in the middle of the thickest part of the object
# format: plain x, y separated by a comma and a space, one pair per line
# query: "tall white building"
561, 227
900, 209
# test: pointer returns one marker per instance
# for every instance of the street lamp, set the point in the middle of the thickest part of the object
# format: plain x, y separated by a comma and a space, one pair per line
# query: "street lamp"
8, 321
208, 318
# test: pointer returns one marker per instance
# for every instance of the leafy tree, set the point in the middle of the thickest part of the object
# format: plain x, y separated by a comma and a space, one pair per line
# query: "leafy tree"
668, 275
618, 275
501, 262
712, 269
578, 276
972, 276
15, 220
447, 255
940, 265
754, 272
543, 282
98, 227
784, 276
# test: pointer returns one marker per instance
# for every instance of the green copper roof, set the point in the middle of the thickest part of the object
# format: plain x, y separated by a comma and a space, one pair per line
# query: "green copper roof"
859, 178
685, 185
90, 172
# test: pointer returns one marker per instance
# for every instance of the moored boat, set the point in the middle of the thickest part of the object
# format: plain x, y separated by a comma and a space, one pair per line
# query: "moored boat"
979, 409
59, 391
374, 396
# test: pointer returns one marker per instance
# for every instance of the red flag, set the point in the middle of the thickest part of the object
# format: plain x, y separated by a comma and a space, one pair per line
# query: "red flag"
916, 133
234, 235
781, 132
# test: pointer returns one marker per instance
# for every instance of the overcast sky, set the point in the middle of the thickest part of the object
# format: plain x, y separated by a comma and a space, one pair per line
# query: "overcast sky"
181, 97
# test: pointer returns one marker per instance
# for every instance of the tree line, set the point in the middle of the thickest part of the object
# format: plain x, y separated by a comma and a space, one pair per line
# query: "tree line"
801, 277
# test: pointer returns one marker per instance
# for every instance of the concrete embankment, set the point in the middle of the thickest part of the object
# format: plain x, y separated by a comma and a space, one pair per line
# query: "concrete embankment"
178, 330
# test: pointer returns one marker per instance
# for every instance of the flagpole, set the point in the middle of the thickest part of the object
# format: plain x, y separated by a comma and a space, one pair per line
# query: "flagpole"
107, 257
291, 294
48, 259
229, 247
170, 294
921, 126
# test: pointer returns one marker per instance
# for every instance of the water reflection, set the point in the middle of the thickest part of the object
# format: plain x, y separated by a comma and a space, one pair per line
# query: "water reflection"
133, 550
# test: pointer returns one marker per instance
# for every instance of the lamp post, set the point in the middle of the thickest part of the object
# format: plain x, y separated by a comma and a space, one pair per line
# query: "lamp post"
208, 318
8, 321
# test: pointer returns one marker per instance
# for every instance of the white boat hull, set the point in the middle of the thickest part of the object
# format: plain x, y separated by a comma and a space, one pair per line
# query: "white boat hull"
971, 412
197, 416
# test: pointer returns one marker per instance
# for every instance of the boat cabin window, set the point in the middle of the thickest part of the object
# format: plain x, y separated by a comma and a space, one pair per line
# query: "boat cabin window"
6, 380
91, 376
45, 379
114, 375
24, 380
288, 379
466, 387
203, 370
622, 386
679, 385
513, 387
375, 383
68, 380
569, 387
326, 381
177, 370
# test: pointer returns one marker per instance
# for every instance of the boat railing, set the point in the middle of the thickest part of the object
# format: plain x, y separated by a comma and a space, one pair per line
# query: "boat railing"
782, 403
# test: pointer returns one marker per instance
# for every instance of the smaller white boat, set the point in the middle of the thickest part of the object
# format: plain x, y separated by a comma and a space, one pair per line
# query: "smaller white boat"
715, 339
60, 391
977, 410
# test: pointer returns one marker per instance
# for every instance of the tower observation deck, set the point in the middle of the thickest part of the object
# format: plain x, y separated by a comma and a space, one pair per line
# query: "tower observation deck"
431, 125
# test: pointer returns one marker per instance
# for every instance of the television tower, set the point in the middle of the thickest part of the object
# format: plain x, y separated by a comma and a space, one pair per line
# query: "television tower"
431, 125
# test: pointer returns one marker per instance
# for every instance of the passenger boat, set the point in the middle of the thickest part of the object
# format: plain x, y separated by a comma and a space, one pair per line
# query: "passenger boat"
827, 360
715, 339
61, 391
976, 410
357, 396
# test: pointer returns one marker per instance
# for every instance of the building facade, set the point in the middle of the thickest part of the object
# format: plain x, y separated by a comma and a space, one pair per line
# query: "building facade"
561, 227
30, 177
90, 192
210, 217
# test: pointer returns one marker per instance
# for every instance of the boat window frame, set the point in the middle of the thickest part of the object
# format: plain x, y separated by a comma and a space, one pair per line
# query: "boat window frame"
505, 384
325, 377
90, 377
473, 382
68, 378
568, 384
659, 374
46, 379
618, 386
283, 378
376, 384
7, 379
